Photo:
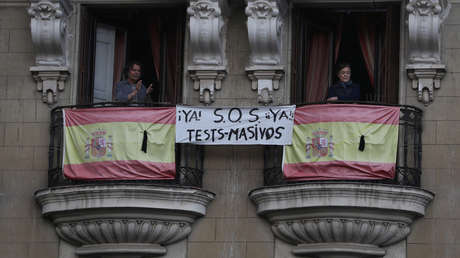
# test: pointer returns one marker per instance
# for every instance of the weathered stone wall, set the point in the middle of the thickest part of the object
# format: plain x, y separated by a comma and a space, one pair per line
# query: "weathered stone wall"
438, 234
24, 134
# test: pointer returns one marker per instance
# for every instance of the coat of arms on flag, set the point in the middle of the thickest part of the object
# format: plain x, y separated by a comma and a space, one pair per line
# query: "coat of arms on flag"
342, 141
99, 145
320, 144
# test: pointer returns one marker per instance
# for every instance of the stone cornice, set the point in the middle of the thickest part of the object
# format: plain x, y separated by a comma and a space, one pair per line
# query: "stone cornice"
61, 199
410, 199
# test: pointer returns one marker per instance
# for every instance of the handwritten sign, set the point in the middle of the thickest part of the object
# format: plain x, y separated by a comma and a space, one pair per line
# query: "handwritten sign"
254, 125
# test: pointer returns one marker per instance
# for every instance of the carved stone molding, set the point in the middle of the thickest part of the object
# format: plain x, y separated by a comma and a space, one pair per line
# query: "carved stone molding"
48, 25
49, 80
207, 80
130, 219
264, 31
265, 81
425, 79
207, 41
424, 22
341, 219
264, 24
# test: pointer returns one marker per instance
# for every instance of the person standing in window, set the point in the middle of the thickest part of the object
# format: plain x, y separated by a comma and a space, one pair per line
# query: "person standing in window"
132, 89
344, 89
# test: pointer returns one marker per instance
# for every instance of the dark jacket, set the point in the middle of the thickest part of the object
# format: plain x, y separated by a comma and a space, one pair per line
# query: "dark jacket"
345, 91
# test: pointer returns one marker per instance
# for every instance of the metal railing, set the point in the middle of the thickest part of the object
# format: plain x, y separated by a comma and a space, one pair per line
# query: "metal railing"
408, 161
189, 158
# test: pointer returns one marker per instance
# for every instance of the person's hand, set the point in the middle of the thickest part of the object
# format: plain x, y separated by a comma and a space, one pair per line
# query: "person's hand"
139, 85
135, 91
150, 89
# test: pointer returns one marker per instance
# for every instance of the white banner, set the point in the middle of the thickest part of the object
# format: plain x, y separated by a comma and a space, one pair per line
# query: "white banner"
254, 125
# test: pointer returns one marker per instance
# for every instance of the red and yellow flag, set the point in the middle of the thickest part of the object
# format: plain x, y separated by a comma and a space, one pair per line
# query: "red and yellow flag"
342, 141
125, 143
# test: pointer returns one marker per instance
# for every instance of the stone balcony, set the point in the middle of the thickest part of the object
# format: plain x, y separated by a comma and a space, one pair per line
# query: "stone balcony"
131, 220
343, 219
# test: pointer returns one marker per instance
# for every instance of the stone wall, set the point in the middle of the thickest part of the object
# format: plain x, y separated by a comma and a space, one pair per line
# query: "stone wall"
24, 134
438, 234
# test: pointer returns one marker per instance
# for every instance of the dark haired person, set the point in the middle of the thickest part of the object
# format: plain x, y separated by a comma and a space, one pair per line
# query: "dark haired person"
132, 89
344, 89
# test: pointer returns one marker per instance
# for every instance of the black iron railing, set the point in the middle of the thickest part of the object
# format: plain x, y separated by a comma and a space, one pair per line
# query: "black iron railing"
189, 158
409, 155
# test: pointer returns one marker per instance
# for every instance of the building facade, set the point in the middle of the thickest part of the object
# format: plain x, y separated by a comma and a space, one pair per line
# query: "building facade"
227, 53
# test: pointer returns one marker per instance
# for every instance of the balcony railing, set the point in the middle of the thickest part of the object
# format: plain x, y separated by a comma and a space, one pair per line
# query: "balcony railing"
189, 158
408, 161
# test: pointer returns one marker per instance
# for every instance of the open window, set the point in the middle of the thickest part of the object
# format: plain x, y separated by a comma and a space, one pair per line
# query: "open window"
111, 37
366, 36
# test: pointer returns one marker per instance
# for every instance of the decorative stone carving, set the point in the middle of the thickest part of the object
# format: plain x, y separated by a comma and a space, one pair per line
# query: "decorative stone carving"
341, 219
424, 26
264, 31
207, 41
50, 80
265, 80
207, 80
48, 26
123, 219
426, 78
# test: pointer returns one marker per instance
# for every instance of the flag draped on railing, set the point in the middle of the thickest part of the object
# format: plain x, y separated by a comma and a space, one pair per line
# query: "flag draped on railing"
121, 143
342, 141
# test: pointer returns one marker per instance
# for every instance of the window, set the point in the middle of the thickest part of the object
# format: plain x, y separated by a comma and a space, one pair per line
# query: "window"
112, 36
366, 36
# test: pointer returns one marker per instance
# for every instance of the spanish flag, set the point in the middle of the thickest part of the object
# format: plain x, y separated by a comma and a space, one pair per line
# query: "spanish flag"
342, 141
121, 143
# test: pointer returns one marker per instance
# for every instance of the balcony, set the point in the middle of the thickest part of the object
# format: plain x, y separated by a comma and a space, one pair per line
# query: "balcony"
347, 218
128, 218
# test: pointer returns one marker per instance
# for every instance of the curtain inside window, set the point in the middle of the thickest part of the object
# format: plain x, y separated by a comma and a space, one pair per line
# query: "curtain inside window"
319, 62
155, 41
165, 35
173, 58
367, 36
